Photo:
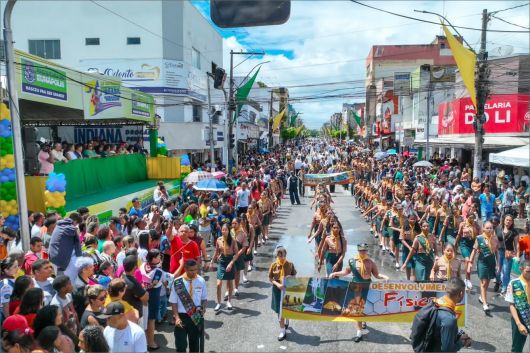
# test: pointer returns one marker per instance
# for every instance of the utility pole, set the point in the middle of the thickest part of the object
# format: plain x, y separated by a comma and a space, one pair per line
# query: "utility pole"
427, 130
232, 105
482, 94
210, 125
16, 126
381, 125
270, 120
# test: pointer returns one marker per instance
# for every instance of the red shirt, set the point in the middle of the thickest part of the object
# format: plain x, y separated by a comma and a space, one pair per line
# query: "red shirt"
181, 251
524, 245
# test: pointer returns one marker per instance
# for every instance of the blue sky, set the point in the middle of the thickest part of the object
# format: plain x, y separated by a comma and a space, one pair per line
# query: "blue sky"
322, 49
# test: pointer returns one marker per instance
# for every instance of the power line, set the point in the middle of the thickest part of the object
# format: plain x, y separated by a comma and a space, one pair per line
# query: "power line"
510, 23
432, 22
511, 8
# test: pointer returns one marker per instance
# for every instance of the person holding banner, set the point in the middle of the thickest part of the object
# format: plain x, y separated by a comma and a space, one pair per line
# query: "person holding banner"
333, 249
446, 266
278, 270
518, 295
486, 246
362, 268
424, 247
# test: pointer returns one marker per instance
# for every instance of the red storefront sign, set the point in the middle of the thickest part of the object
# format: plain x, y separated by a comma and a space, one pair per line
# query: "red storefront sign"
504, 114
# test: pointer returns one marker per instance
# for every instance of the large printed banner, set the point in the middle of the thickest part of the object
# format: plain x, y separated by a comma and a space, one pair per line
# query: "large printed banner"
506, 113
334, 178
320, 299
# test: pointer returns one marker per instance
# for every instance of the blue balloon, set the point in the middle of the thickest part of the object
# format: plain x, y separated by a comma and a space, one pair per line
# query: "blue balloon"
4, 179
5, 128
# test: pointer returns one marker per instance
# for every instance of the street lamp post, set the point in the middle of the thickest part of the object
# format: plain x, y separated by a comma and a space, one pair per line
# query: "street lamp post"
16, 126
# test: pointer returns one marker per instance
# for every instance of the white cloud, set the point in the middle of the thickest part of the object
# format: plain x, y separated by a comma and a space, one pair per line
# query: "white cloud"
331, 39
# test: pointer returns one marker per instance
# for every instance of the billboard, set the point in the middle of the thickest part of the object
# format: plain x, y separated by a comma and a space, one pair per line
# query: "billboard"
152, 75
504, 114
402, 83
321, 299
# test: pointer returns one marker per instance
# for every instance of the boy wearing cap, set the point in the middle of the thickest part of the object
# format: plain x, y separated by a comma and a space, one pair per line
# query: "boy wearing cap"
362, 268
122, 335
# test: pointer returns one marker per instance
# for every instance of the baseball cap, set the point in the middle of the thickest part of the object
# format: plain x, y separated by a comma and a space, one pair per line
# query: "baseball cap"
114, 308
17, 323
362, 246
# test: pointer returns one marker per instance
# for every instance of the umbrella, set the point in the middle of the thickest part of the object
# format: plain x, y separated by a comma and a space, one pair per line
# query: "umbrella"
380, 155
422, 164
218, 175
391, 151
195, 177
210, 185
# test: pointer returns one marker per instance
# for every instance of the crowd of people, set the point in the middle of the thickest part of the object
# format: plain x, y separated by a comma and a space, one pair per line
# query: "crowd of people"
105, 287
51, 153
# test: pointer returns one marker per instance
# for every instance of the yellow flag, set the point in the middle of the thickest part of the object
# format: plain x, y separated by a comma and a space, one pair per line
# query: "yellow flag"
299, 130
465, 60
277, 120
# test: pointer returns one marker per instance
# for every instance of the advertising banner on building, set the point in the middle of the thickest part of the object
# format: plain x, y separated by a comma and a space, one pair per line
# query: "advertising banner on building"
505, 114
99, 97
152, 75
321, 299
44, 82
401, 84
333, 178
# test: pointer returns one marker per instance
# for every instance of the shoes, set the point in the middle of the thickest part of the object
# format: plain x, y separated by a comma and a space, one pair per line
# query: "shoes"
486, 307
236, 293
229, 306
153, 348
217, 307
468, 283
286, 323
496, 287
397, 266
226, 296
282, 335
358, 338
250, 266
245, 280
255, 253
480, 300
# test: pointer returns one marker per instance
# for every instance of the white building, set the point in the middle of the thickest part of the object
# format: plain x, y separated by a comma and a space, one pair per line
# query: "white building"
161, 47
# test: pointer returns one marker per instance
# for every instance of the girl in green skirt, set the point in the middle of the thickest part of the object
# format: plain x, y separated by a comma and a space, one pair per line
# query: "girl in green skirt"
486, 246
430, 213
424, 247
465, 239
226, 254
409, 229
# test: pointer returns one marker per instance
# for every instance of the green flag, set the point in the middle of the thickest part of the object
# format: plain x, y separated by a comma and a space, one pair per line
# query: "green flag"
293, 119
243, 92
357, 119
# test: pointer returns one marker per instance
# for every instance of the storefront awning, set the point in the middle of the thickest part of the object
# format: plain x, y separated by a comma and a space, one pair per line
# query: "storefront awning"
490, 142
517, 157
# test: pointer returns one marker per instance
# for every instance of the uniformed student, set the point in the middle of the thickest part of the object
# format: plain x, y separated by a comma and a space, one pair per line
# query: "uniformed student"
188, 299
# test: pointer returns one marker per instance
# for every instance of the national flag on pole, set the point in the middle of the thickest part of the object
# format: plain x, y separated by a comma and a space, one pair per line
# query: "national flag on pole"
276, 121
243, 92
293, 119
466, 61
357, 118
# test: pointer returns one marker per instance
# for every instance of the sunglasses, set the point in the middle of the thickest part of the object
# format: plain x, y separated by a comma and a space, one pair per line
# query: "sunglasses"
101, 298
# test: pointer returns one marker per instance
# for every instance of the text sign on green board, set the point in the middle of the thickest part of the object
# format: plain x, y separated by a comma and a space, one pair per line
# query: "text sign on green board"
43, 81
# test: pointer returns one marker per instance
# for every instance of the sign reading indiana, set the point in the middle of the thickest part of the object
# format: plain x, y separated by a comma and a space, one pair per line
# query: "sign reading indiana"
333, 178
321, 299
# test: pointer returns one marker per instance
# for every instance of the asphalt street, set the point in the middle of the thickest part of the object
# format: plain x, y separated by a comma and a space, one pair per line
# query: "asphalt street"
252, 325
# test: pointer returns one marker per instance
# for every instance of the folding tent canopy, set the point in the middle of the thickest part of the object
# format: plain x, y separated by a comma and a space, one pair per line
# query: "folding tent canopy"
519, 157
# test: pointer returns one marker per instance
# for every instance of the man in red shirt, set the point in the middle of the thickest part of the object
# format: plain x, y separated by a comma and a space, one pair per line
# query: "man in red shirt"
182, 249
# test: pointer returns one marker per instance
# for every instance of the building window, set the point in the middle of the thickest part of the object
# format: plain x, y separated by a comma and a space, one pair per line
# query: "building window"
196, 58
197, 113
442, 45
91, 41
133, 40
2, 51
215, 118
47, 48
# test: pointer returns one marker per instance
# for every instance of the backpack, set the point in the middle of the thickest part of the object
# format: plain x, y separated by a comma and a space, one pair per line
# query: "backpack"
423, 327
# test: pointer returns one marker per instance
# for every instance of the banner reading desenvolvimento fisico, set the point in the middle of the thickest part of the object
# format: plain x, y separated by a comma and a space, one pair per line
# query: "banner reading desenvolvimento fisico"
321, 299
332, 178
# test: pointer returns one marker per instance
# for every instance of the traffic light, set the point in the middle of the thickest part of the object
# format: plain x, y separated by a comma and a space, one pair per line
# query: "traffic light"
232, 140
219, 78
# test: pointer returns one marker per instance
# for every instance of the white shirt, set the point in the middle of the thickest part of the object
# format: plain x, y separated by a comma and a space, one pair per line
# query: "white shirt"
243, 197
526, 179
200, 293
57, 155
131, 339
35, 231
47, 289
